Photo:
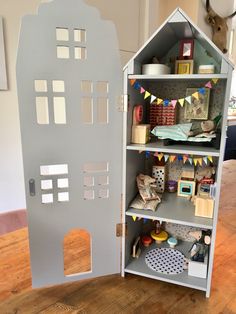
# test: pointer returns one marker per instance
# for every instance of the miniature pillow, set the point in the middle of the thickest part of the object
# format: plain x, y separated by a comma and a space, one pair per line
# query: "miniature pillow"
138, 203
177, 132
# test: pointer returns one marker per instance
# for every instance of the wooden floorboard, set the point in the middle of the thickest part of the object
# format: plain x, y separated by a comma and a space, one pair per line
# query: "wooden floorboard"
132, 294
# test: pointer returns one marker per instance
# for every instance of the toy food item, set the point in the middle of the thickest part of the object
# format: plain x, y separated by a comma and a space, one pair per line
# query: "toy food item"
160, 237
172, 242
146, 240
172, 186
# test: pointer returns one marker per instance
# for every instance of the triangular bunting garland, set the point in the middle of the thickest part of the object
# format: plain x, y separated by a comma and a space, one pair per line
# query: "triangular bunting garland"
190, 160
132, 82
160, 156
147, 94
166, 157
205, 160
166, 102
137, 85
181, 101
173, 102
134, 218
195, 160
200, 161
185, 158
142, 90
202, 91
215, 80
196, 95
159, 101
208, 84
152, 98
189, 99
210, 159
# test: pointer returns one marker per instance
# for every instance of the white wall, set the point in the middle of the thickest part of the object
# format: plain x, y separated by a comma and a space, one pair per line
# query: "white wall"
127, 18
11, 169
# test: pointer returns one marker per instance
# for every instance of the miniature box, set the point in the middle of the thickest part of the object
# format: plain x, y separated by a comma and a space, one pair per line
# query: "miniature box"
186, 188
198, 269
140, 133
206, 69
159, 173
204, 206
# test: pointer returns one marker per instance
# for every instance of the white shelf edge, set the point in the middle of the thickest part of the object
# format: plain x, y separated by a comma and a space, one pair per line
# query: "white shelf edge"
176, 221
165, 149
156, 277
177, 76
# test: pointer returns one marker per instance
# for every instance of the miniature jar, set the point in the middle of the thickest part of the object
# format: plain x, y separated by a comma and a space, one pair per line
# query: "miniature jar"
172, 242
146, 240
171, 186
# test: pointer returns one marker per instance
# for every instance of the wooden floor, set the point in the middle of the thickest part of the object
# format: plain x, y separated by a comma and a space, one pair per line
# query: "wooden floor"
133, 294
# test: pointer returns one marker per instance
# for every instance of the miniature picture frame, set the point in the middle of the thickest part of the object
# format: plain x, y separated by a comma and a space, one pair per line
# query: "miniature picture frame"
184, 67
198, 108
186, 49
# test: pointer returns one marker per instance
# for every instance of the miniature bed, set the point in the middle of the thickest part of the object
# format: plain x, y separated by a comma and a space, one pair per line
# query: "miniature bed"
180, 133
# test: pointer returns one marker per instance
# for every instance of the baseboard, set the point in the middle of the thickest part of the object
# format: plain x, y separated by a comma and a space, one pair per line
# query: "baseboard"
13, 220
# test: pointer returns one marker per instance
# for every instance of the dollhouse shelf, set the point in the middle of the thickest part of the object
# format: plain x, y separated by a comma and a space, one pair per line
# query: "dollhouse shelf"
174, 209
178, 77
138, 266
175, 149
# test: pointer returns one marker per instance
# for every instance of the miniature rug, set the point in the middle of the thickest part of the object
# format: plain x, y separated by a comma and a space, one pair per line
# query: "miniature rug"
166, 261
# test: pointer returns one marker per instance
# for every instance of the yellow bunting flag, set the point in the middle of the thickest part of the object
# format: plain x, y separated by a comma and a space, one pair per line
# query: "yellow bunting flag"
160, 156
159, 101
200, 161
134, 218
147, 94
172, 158
132, 82
196, 95
215, 80
195, 160
181, 101
210, 159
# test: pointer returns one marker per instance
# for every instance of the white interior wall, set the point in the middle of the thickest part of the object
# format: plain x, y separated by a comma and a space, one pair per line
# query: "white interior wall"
127, 18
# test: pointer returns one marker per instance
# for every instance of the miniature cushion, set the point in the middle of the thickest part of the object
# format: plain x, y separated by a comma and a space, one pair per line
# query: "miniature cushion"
177, 132
138, 203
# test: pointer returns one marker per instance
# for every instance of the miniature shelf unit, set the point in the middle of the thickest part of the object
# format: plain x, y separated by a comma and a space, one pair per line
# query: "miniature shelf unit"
64, 94
172, 209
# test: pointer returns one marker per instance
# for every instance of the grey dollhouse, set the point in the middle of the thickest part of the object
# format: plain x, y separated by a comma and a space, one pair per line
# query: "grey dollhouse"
76, 135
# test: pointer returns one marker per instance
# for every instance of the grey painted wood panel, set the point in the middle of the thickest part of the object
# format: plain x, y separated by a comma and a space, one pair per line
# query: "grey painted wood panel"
87, 140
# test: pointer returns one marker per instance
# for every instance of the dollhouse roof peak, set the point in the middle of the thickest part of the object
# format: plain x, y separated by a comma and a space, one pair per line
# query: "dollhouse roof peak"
176, 27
